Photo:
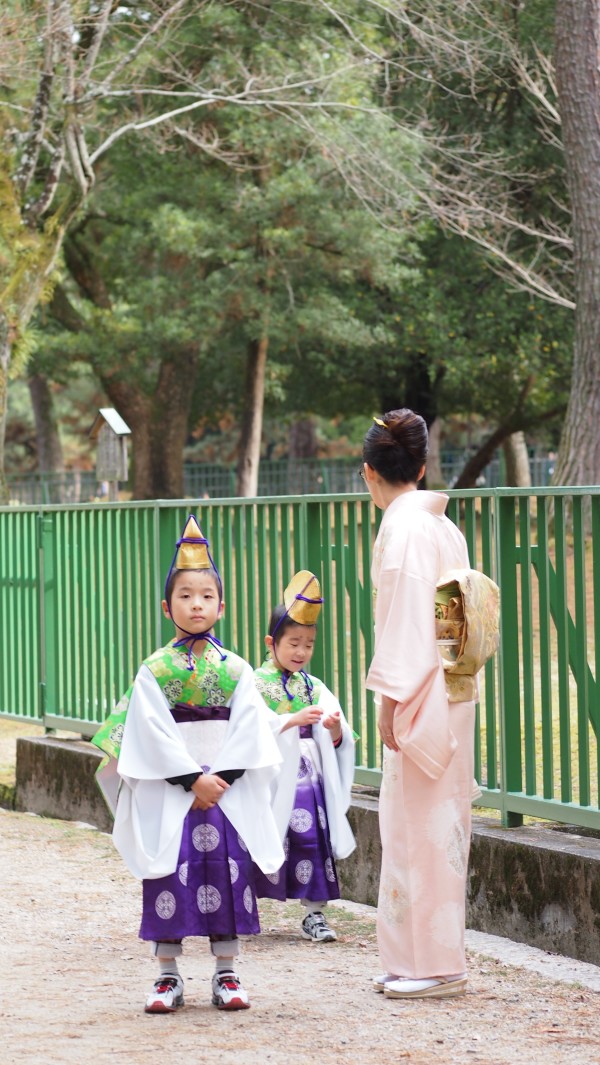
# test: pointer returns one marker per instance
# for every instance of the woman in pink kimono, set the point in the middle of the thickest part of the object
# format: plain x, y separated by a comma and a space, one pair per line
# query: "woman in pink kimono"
425, 801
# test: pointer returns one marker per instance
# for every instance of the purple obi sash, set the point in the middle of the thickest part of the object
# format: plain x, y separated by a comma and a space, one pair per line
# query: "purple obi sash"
305, 732
184, 712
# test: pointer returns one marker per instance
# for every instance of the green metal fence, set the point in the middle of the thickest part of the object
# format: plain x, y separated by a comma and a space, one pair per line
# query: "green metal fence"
287, 476
80, 591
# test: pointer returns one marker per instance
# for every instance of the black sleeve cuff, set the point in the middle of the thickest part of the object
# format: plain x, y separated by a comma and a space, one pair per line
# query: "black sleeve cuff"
186, 780
229, 775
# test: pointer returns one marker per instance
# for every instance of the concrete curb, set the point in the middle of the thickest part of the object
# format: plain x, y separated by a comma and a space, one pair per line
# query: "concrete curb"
537, 885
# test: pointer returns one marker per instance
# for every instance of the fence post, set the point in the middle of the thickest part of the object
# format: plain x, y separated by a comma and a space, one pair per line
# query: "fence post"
509, 716
49, 658
314, 560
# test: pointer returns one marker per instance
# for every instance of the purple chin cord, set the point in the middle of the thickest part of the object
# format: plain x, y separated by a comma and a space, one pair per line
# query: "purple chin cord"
285, 676
193, 638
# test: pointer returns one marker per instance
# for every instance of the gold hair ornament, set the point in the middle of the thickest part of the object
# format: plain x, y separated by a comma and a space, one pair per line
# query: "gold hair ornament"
378, 421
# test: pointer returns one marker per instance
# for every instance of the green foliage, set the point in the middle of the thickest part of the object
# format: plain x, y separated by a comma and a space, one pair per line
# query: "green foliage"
293, 213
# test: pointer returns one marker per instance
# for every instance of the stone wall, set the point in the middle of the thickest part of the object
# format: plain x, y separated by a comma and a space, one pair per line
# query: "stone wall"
536, 884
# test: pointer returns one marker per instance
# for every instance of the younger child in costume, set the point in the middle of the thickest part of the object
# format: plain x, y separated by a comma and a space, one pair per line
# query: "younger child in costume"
313, 793
195, 756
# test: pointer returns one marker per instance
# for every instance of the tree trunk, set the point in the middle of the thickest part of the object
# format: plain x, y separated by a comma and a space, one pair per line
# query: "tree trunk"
252, 418
516, 457
159, 426
302, 445
136, 409
578, 80
49, 446
303, 439
435, 477
172, 415
478, 462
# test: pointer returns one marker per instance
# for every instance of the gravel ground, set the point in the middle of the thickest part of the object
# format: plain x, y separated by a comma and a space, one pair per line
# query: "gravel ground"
76, 976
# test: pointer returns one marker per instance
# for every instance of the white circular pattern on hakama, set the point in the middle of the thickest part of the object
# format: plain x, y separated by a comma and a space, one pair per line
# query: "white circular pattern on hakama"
329, 870
165, 905
304, 871
447, 925
242, 844
248, 899
304, 768
208, 898
234, 870
183, 873
274, 877
322, 817
301, 820
205, 838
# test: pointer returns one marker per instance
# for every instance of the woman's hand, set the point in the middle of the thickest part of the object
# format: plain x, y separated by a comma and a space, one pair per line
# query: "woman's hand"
208, 789
385, 722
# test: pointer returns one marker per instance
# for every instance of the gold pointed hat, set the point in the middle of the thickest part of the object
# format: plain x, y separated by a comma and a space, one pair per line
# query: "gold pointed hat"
192, 548
302, 598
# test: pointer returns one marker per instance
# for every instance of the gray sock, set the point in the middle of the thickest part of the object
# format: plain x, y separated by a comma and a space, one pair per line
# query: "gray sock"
168, 967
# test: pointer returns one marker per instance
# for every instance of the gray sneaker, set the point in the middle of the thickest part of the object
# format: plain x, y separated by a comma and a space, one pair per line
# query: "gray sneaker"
315, 928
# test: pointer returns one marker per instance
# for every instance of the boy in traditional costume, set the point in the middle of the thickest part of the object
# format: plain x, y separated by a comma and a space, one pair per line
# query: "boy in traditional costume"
313, 793
191, 761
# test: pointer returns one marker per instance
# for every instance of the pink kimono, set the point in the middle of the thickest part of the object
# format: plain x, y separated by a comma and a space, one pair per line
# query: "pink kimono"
425, 800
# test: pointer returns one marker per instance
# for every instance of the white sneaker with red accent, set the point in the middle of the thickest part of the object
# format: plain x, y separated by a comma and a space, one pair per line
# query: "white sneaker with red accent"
166, 995
228, 993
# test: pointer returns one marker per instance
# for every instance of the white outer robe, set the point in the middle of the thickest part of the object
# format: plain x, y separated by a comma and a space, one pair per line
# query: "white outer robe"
150, 812
338, 773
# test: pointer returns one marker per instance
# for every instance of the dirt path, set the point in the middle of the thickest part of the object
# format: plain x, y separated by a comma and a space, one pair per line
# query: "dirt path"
75, 977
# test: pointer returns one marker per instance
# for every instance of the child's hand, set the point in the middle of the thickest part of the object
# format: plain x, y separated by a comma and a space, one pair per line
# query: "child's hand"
309, 716
334, 725
208, 789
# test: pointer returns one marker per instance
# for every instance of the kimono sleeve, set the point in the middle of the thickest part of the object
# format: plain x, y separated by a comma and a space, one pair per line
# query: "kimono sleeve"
406, 656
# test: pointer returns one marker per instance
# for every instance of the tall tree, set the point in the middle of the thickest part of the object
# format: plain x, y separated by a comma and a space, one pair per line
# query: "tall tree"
76, 79
578, 80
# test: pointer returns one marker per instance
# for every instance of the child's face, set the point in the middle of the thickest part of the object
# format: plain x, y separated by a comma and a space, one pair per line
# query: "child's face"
293, 651
195, 602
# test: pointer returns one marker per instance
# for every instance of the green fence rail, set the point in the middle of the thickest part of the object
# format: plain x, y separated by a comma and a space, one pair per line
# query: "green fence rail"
80, 592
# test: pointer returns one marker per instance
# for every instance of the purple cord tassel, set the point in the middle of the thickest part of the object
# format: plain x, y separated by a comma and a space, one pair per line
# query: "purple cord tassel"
191, 640
285, 676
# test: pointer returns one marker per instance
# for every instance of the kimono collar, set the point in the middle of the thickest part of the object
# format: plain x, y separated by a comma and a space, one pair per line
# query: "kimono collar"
434, 502
286, 677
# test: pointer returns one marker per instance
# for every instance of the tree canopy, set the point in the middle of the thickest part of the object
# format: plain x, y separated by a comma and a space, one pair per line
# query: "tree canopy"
323, 207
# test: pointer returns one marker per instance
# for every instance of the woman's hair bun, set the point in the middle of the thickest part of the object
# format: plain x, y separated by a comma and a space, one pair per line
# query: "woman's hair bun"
409, 429
396, 446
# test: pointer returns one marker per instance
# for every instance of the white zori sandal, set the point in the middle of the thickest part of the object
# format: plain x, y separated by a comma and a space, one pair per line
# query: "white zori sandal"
439, 987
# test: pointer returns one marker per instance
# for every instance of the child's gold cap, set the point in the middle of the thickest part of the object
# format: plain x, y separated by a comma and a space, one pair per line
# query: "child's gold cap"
302, 598
192, 552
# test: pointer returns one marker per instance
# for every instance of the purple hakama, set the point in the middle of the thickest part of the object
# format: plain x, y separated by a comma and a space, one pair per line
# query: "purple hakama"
211, 892
309, 869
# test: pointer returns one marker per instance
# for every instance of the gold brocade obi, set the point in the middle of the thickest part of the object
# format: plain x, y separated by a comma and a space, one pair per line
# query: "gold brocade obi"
467, 628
